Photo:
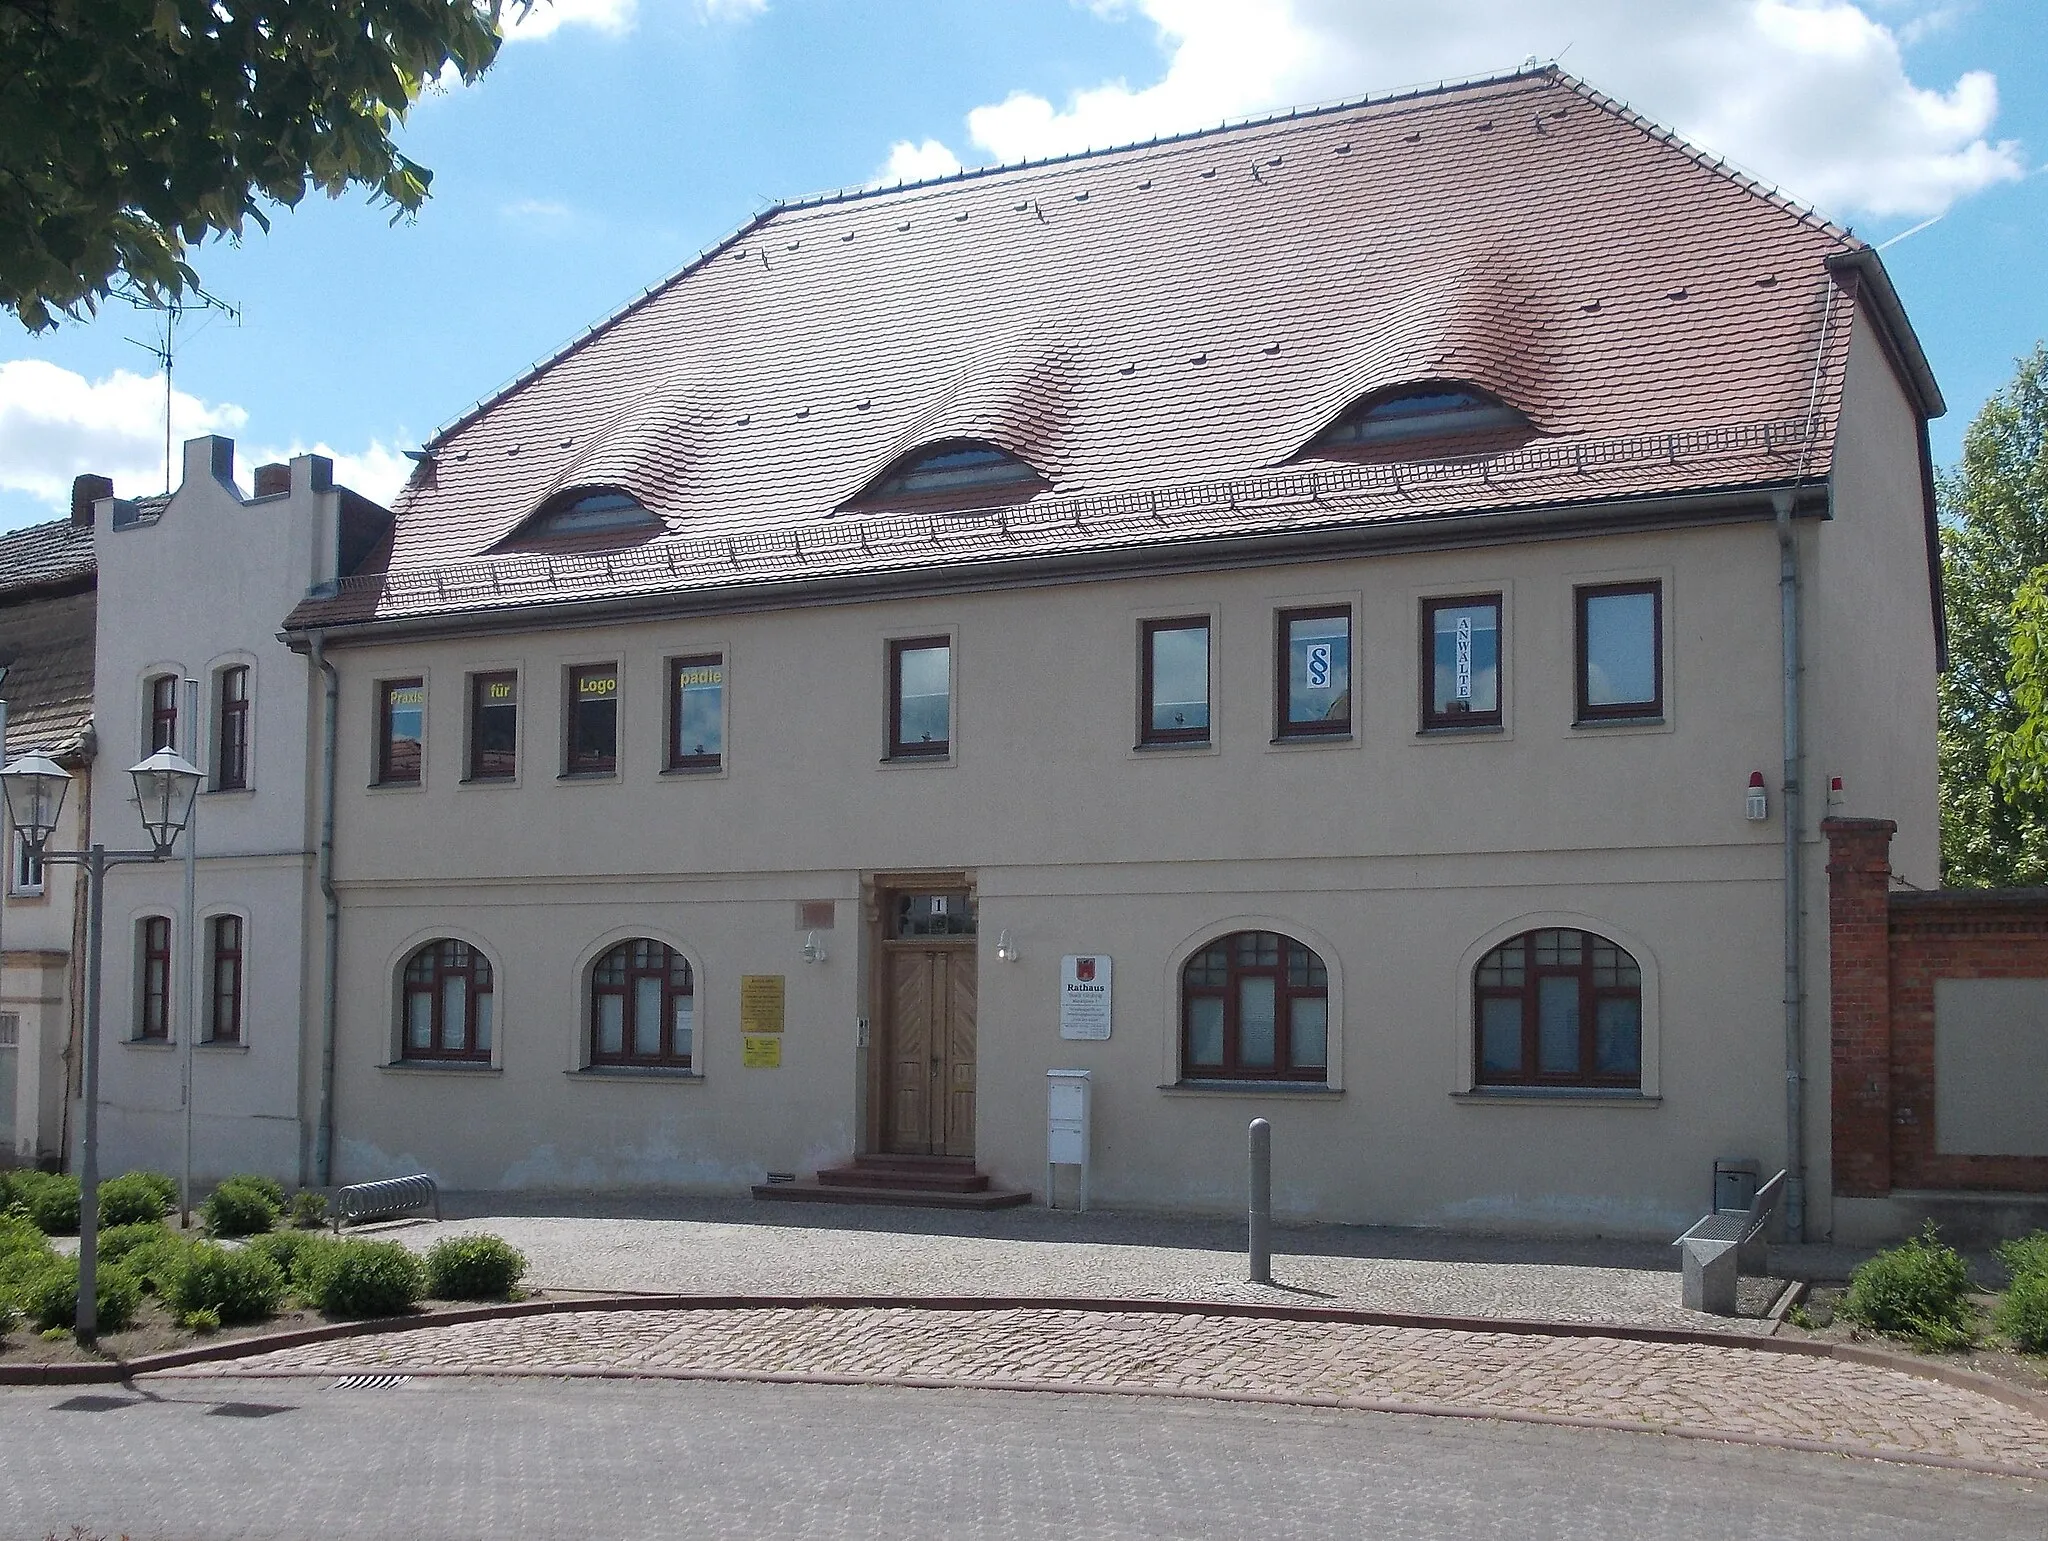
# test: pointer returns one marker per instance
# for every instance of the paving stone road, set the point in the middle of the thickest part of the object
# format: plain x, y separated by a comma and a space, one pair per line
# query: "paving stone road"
726, 1247
554, 1461
1734, 1391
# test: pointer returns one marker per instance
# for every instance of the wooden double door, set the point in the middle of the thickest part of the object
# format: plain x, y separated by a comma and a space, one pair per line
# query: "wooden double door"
928, 1065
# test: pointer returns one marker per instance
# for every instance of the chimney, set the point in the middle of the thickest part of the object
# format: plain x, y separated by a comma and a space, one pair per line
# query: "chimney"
85, 491
273, 481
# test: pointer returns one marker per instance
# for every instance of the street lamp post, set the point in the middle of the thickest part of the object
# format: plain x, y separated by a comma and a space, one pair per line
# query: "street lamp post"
34, 788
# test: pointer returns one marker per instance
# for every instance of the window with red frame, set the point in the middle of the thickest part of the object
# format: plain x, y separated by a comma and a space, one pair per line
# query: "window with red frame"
153, 986
224, 991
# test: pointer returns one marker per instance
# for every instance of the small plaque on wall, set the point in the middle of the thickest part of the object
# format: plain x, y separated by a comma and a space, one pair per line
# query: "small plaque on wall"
1084, 997
761, 1003
761, 1051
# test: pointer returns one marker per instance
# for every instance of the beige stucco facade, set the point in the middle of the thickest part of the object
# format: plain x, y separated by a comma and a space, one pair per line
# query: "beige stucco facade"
1400, 857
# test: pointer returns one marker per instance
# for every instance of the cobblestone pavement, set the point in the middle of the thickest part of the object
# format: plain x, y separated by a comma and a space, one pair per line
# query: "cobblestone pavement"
541, 1460
1660, 1386
722, 1247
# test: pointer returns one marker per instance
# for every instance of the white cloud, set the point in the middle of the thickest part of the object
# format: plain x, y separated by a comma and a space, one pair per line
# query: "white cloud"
614, 18
547, 17
55, 424
377, 472
915, 162
542, 215
1812, 95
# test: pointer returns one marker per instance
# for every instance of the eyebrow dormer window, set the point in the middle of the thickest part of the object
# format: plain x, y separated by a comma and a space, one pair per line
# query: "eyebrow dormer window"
961, 470
589, 511
1434, 411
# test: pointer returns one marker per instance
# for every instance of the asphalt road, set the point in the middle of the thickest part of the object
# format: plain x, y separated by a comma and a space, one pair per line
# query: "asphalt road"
612, 1460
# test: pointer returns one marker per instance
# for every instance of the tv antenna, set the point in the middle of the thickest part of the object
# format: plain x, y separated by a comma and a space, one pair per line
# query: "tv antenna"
163, 347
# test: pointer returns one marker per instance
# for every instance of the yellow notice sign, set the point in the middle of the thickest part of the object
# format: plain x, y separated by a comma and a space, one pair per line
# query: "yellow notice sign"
761, 1051
761, 1003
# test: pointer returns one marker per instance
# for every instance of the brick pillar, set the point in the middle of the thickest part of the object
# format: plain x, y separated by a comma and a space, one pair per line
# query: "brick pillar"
1860, 1015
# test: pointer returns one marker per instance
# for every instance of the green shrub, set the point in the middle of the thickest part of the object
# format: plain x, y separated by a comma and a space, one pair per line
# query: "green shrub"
1914, 1291
2022, 1314
10, 1318
18, 1233
117, 1241
360, 1278
2027, 1255
51, 1300
242, 1206
51, 1199
235, 1284
308, 1210
473, 1268
125, 1201
21, 1270
269, 1187
153, 1262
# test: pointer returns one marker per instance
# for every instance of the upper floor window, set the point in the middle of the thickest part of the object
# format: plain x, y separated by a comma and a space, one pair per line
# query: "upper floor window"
493, 726
920, 697
1620, 633
153, 977
696, 705
643, 1006
593, 739
231, 730
401, 731
224, 979
1438, 410
1173, 705
1314, 688
447, 1001
589, 511
25, 874
163, 712
1461, 662
959, 471
1255, 1005
1558, 1008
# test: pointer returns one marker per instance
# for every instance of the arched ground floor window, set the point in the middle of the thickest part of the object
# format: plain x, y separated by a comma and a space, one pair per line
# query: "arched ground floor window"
1558, 1007
1255, 1005
643, 1006
446, 1003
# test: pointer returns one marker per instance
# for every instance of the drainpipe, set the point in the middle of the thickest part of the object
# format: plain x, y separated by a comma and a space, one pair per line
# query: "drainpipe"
323, 1138
1794, 818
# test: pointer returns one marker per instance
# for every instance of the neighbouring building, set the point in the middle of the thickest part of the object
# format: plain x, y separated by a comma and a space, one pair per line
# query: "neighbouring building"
46, 650
1320, 584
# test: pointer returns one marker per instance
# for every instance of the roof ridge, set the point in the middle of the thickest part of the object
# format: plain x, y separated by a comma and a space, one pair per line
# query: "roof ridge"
1709, 160
842, 195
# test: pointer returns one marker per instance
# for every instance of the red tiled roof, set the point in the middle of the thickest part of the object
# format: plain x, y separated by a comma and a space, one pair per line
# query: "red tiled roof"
1159, 331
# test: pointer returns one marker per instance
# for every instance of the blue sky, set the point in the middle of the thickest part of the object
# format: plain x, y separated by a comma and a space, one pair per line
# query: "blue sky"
615, 138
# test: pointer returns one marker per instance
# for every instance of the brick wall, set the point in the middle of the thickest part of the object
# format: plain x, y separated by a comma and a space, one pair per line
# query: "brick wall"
1886, 952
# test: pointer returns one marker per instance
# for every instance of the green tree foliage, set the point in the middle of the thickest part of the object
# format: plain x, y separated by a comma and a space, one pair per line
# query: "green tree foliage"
131, 130
1994, 538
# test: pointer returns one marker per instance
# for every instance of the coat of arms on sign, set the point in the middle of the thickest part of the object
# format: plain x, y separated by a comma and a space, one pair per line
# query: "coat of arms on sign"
1084, 969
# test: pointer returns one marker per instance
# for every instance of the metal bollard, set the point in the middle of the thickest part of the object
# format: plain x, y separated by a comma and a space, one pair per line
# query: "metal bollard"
1262, 1202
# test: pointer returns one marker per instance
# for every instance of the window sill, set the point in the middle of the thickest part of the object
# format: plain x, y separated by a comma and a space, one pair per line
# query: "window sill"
900, 761
1595, 724
27, 895
1454, 730
488, 781
634, 1073
589, 775
157, 1045
441, 1067
1175, 746
221, 1046
1310, 740
1599, 1096
1251, 1089
694, 770
213, 792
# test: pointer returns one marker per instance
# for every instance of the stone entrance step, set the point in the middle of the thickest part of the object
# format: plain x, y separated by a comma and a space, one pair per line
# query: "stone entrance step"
919, 1182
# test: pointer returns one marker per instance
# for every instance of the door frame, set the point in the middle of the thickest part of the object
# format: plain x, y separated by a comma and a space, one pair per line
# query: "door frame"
878, 891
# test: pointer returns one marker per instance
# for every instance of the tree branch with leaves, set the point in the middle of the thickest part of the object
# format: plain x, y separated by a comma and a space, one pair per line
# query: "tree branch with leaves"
132, 130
